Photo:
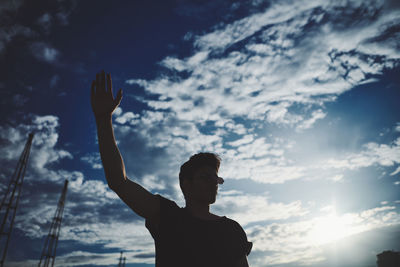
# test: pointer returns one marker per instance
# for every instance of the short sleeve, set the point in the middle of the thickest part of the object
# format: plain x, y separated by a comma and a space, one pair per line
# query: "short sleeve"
168, 210
244, 246
248, 247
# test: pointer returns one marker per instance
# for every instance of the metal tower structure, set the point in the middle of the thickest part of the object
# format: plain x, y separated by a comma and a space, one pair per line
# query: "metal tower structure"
9, 203
121, 260
49, 250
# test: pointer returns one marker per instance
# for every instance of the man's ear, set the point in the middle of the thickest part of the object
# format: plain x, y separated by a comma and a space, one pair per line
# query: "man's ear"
186, 186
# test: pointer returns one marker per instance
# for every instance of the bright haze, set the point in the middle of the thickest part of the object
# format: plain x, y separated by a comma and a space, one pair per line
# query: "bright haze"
300, 99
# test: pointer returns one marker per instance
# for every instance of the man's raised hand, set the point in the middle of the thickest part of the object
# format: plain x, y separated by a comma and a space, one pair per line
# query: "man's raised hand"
102, 98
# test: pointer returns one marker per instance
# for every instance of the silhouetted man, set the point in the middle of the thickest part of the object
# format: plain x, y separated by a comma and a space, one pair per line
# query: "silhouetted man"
184, 237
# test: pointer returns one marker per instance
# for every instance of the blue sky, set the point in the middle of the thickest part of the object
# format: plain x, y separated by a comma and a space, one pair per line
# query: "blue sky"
299, 98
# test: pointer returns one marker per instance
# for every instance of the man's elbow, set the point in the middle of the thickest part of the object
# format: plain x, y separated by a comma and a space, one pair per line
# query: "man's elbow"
112, 186
115, 184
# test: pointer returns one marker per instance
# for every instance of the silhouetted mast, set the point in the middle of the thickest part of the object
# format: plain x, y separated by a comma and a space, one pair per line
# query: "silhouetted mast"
120, 260
9, 203
49, 250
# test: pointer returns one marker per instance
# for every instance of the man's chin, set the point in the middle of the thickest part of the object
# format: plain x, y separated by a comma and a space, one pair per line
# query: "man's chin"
212, 201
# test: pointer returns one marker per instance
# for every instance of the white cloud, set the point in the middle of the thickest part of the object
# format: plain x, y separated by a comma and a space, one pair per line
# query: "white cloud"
249, 156
45, 21
244, 140
396, 171
397, 127
254, 208
43, 146
277, 165
54, 80
277, 13
7, 34
372, 153
337, 178
262, 80
93, 159
129, 117
45, 52
315, 115
150, 182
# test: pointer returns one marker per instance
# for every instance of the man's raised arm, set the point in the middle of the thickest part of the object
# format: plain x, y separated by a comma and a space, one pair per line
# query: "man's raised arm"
135, 196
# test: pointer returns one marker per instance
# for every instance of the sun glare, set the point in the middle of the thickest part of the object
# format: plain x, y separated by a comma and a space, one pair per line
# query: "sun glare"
330, 228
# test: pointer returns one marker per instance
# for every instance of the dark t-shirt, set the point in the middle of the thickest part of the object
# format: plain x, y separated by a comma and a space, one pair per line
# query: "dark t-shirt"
182, 240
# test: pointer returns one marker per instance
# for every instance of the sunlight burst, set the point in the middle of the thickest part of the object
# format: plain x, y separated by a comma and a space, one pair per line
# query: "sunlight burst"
330, 228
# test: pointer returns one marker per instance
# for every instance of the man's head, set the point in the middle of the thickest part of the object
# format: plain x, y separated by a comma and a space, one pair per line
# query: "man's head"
198, 177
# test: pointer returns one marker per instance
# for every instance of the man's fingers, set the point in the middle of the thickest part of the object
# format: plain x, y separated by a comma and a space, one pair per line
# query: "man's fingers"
109, 84
98, 82
103, 81
119, 97
92, 93
92, 89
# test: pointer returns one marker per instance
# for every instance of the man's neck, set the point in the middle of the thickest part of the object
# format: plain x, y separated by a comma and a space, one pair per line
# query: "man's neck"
199, 210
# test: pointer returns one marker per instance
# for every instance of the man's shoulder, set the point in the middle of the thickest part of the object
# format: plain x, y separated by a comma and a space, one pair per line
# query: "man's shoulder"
237, 234
168, 212
167, 202
233, 227
216, 217
232, 222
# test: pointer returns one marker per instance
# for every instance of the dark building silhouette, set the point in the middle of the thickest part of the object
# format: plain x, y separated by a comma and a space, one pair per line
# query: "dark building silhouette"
388, 258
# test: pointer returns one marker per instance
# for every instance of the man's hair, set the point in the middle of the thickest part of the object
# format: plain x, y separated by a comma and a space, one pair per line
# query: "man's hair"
196, 162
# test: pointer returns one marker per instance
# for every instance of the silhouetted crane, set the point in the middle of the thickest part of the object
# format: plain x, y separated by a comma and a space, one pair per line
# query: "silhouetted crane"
49, 250
9, 203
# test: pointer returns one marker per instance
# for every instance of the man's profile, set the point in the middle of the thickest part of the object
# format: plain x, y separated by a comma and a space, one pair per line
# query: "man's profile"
189, 236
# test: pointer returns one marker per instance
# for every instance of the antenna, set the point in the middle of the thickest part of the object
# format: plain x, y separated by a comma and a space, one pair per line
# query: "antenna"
49, 250
120, 260
9, 204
